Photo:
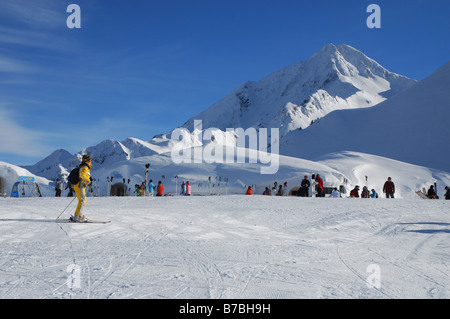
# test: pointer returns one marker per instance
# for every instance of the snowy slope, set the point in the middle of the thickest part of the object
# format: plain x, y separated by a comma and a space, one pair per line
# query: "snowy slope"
226, 247
347, 169
372, 171
412, 127
334, 169
392, 129
290, 99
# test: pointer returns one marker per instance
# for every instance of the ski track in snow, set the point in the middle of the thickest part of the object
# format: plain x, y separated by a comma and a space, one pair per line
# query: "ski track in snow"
225, 247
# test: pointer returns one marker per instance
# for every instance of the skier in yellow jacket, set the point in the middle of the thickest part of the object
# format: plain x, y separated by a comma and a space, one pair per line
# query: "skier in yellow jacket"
80, 188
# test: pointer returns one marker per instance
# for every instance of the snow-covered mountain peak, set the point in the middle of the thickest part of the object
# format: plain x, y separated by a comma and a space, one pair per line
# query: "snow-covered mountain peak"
335, 77
291, 99
108, 151
347, 60
56, 164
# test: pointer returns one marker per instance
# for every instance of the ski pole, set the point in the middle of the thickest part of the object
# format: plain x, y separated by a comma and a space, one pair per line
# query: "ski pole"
66, 208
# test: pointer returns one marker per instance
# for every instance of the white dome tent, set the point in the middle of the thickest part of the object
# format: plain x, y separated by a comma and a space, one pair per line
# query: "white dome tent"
16, 181
26, 187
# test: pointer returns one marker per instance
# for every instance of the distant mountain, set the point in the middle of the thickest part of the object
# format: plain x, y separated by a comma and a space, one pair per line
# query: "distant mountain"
334, 78
412, 126
55, 165
337, 80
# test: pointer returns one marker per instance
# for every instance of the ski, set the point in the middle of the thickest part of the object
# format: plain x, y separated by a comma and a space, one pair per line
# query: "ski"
422, 194
87, 221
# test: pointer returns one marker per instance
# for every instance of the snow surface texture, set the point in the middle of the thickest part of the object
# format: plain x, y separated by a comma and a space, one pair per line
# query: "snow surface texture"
226, 247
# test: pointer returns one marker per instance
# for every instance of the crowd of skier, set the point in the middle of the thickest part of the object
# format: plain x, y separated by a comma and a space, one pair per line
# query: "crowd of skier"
80, 179
318, 189
304, 190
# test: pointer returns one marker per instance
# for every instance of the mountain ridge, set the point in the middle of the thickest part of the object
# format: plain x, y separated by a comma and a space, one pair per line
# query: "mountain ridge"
294, 97
411, 127
329, 70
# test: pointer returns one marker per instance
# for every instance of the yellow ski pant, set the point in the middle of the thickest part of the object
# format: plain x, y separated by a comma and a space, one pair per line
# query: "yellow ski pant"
81, 195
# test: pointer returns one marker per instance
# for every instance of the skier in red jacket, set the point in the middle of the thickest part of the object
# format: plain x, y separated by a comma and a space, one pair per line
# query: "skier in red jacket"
355, 192
389, 188
319, 187
160, 189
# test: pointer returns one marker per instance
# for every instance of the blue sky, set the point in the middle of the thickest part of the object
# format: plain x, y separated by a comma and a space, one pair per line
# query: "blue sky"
140, 68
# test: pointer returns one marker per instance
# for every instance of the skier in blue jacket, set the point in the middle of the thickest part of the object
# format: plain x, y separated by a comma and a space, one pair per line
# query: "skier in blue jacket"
151, 188
373, 194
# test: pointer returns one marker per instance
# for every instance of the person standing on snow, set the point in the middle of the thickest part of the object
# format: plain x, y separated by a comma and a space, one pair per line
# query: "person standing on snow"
143, 187
58, 188
137, 190
304, 187
183, 188
151, 188
389, 188
447, 193
319, 186
280, 191
160, 189
249, 191
80, 188
188, 189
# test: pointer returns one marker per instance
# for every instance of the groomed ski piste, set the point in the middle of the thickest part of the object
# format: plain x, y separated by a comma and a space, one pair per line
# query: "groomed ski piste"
234, 246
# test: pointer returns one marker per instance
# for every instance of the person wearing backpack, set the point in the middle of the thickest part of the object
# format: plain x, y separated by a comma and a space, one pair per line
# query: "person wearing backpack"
365, 192
84, 178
